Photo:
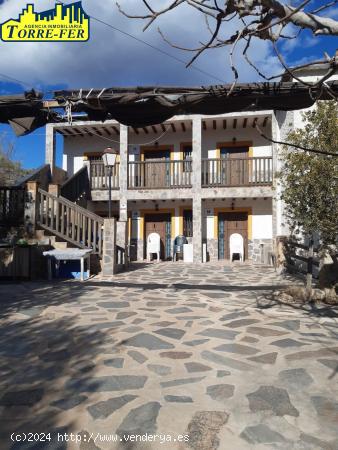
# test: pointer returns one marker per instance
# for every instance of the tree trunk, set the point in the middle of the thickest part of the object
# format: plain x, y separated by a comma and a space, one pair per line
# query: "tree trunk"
309, 270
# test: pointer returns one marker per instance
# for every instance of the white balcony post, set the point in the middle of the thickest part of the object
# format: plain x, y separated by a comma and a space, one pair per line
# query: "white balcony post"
50, 146
123, 172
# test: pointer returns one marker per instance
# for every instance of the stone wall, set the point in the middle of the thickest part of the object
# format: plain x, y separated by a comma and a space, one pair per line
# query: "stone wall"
259, 250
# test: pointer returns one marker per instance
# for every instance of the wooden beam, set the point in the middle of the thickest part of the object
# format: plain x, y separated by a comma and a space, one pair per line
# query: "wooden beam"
204, 125
78, 132
117, 131
163, 128
88, 132
154, 129
135, 130
183, 126
224, 124
214, 124
245, 121
145, 129
107, 131
265, 121
97, 131
254, 122
173, 127
234, 124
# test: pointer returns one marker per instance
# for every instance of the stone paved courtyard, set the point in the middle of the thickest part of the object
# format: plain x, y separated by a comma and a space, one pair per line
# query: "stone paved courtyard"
171, 349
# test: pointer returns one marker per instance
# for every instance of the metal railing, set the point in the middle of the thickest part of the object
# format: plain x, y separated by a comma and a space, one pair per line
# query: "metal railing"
159, 174
99, 176
226, 172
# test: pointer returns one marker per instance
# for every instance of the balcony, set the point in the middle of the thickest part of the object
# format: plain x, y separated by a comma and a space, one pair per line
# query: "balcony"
99, 176
233, 172
159, 174
175, 174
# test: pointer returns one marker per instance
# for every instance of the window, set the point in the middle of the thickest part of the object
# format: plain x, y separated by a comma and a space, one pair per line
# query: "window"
187, 223
187, 158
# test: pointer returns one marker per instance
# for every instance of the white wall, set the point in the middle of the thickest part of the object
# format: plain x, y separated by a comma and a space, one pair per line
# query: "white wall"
76, 147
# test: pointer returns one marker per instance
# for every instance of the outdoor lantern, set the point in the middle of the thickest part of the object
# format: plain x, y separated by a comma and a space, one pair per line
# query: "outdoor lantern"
109, 160
109, 157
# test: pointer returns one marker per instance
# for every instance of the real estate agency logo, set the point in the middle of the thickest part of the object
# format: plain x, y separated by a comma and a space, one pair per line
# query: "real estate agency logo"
64, 23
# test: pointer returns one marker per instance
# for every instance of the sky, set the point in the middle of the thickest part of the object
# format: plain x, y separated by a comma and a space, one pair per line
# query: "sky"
111, 58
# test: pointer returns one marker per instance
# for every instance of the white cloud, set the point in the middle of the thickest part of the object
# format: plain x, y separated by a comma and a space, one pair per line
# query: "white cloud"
110, 58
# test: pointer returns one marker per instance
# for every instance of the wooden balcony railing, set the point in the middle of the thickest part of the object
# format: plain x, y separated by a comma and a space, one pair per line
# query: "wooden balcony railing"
99, 176
255, 171
159, 174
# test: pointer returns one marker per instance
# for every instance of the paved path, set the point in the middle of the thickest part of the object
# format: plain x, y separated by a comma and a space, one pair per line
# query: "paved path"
170, 349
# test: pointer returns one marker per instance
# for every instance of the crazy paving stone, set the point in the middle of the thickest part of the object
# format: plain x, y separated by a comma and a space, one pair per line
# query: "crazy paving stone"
204, 428
140, 420
22, 398
124, 315
327, 409
292, 325
322, 352
196, 367
270, 398
225, 361
178, 399
330, 363
261, 434
220, 334
173, 333
103, 409
179, 310
175, 355
221, 392
296, 378
234, 315
240, 323
159, 369
114, 362
223, 373
147, 341
69, 402
137, 356
196, 342
107, 383
249, 339
181, 381
285, 343
265, 332
113, 304
237, 348
267, 358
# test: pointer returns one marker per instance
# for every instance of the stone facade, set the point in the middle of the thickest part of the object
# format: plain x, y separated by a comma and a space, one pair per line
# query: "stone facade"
259, 250
109, 247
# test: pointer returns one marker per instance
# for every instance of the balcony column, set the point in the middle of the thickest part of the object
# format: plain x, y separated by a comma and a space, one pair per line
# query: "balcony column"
197, 188
50, 147
123, 172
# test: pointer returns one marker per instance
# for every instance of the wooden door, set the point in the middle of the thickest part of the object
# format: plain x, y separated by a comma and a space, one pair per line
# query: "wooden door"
157, 175
229, 223
159, 223
235, 168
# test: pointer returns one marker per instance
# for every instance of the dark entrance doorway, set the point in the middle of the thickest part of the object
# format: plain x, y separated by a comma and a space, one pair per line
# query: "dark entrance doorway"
159, 223
229, 223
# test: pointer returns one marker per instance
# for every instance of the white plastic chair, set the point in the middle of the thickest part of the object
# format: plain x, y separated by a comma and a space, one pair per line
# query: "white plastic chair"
236, 246
153, 246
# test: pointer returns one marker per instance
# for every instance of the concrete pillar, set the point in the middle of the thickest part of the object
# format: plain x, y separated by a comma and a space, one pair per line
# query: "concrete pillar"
197, 188
50, 147
109, 247
31, 207
123, 172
